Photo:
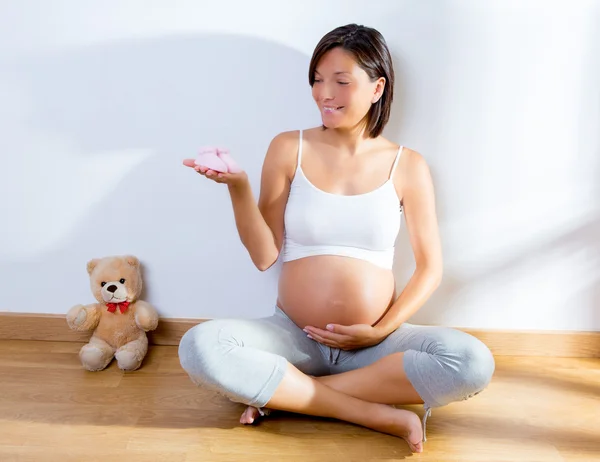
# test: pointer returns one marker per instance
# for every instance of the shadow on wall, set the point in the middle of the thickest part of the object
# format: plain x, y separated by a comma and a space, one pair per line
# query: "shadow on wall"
578, 247
563, 261
165, 97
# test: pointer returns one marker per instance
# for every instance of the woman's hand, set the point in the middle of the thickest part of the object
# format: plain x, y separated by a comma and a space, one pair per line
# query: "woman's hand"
346, 337
230, 179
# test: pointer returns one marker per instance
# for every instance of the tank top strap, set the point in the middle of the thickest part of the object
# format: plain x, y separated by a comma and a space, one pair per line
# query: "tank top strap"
299, 150
396, 161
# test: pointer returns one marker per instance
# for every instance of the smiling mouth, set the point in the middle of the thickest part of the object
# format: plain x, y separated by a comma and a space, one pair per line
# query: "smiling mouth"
332, 108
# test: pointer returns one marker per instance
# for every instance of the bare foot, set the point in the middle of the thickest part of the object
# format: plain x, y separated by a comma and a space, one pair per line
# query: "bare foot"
249, 415
252, 413
402, 423
397, 422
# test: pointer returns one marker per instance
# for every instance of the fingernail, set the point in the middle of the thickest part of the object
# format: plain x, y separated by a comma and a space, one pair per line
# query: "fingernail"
309, 336
329, 327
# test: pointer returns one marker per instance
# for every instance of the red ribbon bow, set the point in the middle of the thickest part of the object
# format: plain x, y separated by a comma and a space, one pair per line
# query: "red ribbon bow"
112, 307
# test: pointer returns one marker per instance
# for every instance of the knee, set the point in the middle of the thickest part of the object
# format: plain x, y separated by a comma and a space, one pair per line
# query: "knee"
478, 367
198, 351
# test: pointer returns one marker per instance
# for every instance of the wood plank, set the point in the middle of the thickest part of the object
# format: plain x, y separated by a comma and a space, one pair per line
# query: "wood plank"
556, 344
53, 327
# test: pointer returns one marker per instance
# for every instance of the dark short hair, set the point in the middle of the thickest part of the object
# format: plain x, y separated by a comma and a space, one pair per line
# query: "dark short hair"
370, 51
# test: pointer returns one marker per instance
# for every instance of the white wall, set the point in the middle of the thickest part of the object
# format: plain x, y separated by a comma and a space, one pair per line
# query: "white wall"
100, 103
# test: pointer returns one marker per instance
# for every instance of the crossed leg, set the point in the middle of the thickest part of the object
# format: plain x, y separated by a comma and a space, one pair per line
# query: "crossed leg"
300, 393
383, 382
443, 365
272, 365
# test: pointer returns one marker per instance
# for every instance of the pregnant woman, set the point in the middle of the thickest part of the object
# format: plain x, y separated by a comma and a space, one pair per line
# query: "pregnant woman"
338, 344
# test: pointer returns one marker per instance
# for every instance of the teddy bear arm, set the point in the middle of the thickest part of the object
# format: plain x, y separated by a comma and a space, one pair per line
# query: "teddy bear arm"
146, 317
84, 318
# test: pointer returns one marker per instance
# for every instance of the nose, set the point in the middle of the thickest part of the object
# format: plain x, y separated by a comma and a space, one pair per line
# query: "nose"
323, 93
326, 95
112, 288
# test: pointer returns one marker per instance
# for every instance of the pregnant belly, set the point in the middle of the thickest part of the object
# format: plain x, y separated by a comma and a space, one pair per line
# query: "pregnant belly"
318, 290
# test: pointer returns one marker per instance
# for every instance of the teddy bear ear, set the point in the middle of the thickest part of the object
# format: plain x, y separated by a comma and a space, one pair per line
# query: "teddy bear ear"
92, 264
132, 260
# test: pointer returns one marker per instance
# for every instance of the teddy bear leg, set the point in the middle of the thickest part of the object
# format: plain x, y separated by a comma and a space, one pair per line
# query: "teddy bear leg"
96, 355
131, 355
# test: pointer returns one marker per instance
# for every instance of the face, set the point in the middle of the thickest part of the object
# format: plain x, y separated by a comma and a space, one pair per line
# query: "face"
342, 89
115, 280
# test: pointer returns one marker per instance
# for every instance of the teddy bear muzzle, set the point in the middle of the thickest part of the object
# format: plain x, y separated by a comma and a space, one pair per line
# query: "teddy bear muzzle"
114, 292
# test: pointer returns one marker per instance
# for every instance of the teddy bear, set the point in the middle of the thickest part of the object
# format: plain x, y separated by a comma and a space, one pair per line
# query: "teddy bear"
119, 321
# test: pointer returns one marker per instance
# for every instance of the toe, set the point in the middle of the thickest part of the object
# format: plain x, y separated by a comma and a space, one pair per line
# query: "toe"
249, 415
417, 447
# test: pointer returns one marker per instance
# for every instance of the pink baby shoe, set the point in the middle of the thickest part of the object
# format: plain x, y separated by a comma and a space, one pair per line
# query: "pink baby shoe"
207, 157
232, 166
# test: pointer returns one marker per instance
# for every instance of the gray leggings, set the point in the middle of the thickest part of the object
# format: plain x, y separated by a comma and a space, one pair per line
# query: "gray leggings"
245, 359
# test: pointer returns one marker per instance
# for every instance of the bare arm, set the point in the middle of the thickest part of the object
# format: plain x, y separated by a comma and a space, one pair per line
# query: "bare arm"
422, 225
252, 228
260, 225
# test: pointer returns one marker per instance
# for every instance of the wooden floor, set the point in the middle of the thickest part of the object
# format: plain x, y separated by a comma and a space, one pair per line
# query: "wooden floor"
536, 409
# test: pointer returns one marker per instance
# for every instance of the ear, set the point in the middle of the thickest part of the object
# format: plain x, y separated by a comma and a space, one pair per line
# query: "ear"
379, 88
92, 264
132, 261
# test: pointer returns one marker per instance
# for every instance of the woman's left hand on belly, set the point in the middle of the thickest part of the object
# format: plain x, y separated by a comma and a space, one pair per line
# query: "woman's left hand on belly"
346, 337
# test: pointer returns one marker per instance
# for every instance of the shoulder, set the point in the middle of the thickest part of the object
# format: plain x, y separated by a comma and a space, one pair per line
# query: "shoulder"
413, 163
286, 138
284, 147
412, 173
282, 153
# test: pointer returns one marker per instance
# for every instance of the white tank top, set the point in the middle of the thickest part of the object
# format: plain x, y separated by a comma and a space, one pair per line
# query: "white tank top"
361, 226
